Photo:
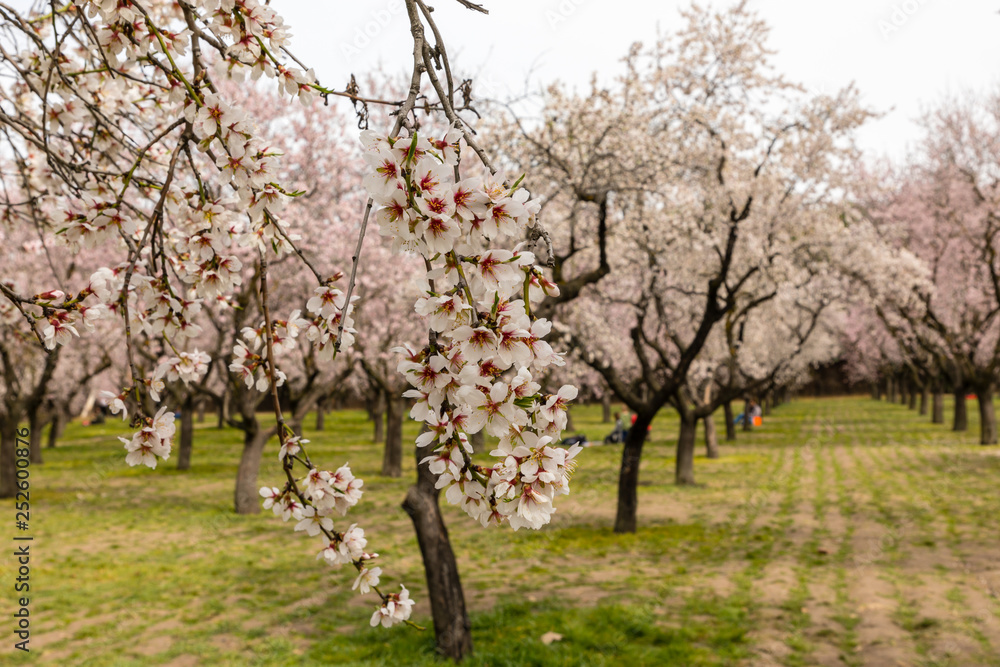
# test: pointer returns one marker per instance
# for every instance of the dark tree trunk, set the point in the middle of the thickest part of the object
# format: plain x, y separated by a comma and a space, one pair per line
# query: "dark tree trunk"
890, 390
711, 440
747, 419
727, 410
376, 411
684, 470
961, 422
392, 458
478, 442
320, 416
628, 476
606, 408
201, 412
937, 407
912, 404
924, 395
452, 629
8, 458
56, 428
569, 421
903, 391
767, 406
35, 425
187, 434
223, 411
987, 417
247, 492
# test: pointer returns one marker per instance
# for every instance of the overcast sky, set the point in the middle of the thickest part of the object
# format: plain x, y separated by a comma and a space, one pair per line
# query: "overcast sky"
902, 55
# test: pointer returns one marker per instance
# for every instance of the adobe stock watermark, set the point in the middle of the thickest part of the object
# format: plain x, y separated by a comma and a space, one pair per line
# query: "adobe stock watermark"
899, 17
562, 12
379, 20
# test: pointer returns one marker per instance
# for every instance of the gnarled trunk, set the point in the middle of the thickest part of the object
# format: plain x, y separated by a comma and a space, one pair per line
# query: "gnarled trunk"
8, 457
684, 469
987, 417
727, 410
56, 428
628, 476
392, 458
320, 416
247, 492
376, 412
478, 442
452, 629
35, 425
961, 422
187, 434
711, 440
937, 408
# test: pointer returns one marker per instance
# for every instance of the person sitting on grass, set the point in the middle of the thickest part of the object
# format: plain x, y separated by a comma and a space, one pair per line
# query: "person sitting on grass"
619, 434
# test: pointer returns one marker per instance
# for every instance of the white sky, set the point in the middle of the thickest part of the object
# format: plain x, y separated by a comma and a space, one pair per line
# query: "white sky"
902, 54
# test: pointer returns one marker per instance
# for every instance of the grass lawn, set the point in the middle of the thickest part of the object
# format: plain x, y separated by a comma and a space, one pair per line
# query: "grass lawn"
844, 532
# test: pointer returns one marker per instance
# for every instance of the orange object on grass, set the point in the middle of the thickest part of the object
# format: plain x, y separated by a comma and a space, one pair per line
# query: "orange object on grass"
757, 421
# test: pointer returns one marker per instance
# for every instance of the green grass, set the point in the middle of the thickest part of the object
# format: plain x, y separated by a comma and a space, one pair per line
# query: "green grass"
843, 532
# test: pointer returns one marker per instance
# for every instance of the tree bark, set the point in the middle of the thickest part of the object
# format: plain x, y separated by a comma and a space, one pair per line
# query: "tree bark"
924, 395
628, 475
767, 406
377, 413
452, 629
35, 426
8, 458
727, 410
478, 442
684, 470
890, 393
937, 407
961, 422
56, 429
747, 419
320, 416
711, 439
186, 442
392, 457
201, 412
247, 493
987, 417
912, 404
606, 408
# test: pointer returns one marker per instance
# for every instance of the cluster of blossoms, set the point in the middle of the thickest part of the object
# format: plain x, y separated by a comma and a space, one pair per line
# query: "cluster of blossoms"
486, 348
312, 501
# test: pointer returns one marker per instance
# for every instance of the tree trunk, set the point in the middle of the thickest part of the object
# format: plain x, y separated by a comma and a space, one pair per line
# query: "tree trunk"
747, 419
904, 388
606, 408
727, 410
187, 434
924, 395
937, 408
8, 458
767, 406
684, 470
912, 404
890, 393
35, 426
569, 421
56, 429
711, 439
201, 412
961, 422
452, 629
987, 417
628, 476
247, 492
320, 416
224, 408
478, 442
392, 458
376, 411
